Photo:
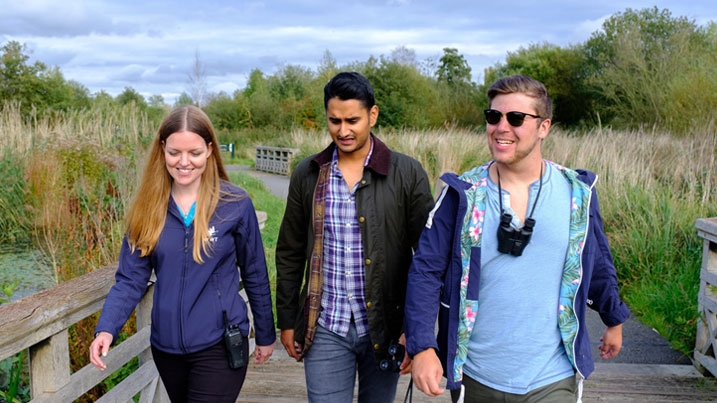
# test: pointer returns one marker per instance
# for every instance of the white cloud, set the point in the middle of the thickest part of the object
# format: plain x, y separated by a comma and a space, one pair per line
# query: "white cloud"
150, 46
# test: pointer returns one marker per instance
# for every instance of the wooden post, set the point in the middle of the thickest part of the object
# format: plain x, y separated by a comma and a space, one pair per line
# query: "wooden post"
50, 364
706, 343
155, 391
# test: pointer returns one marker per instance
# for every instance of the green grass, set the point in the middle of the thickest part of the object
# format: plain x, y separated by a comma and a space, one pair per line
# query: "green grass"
274, 207
658, 256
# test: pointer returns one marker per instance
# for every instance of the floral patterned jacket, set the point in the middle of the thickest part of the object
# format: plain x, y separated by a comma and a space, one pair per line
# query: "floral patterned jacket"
448, 259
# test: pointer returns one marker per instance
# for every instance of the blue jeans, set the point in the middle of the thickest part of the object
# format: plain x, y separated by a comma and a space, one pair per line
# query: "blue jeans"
331, 364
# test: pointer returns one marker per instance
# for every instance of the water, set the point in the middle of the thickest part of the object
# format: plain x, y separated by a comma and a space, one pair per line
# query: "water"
26, 268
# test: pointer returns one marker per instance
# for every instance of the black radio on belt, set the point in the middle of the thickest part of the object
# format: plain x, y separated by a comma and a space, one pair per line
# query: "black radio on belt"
234, 342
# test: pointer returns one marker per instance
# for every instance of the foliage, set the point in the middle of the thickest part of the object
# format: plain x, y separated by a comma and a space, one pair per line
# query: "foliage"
225, 112
36, 87
642, 68
274, 207
559, 69
14, 387
405, 98
653, 239
648, 68
454, 68
14, 222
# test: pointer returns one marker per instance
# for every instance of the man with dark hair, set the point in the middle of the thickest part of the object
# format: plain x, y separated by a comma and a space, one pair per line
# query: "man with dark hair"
353, 216
512, 254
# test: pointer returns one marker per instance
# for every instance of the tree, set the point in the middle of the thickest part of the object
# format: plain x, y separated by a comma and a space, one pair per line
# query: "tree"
224, 112
559, 69
34, 86
460, 100
405, 97
198, 81
129, 96
453, 67
156, 101
327, 67
184, 99
405, 56
291, 92
648, 68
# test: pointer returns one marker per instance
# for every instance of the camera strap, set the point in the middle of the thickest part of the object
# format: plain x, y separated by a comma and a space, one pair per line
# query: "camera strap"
535, 203
409, 392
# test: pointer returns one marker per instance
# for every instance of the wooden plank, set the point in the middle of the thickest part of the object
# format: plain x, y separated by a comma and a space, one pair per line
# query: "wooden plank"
36, 317
89, 376
707, 228
282, 380
130, 386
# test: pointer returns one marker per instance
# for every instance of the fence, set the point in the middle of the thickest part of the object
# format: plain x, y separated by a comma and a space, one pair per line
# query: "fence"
40, 323
706, 343
273, 159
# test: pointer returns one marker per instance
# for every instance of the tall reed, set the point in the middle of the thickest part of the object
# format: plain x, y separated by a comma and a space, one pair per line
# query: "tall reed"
78, 171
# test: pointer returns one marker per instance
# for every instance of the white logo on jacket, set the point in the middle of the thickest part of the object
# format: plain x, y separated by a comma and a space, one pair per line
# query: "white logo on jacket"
212, 234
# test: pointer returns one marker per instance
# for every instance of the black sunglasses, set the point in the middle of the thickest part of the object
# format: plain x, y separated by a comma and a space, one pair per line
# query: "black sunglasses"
515, 119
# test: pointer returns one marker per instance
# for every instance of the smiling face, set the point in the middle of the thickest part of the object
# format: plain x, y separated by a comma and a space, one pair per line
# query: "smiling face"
350, 123
513, 146
185, 155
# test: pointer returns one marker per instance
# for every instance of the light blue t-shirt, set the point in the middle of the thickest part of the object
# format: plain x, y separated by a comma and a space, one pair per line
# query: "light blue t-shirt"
189, 216
515, 345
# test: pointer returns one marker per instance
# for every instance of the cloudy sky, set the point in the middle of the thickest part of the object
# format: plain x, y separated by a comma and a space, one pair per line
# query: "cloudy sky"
150, 45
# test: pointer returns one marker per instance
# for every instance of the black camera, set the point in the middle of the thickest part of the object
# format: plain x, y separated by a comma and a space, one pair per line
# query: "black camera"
234, 341
511, 240
396, 353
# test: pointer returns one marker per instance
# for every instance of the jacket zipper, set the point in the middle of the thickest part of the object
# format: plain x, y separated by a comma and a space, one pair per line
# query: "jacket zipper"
181, 293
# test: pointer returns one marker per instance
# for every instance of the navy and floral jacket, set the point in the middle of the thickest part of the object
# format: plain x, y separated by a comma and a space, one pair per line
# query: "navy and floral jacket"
446, 269
189, 297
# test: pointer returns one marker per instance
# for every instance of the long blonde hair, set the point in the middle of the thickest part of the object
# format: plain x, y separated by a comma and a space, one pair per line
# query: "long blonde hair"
147, 214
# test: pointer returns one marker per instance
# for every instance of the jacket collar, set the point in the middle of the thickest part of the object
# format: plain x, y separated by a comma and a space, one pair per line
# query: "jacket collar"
379, 162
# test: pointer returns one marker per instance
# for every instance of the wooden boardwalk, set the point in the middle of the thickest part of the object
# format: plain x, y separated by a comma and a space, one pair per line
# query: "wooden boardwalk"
281, 380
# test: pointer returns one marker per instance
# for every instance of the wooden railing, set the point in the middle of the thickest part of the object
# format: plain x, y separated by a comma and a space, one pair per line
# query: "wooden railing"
40, 323
706, 344
273, 159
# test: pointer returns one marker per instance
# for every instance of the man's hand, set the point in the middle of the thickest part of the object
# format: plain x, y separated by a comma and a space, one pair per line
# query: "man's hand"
292, 348
262, 353
99, 347
427, 372
406, 366
611, 342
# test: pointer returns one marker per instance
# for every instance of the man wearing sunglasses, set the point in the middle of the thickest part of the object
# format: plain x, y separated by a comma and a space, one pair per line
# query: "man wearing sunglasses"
511, 256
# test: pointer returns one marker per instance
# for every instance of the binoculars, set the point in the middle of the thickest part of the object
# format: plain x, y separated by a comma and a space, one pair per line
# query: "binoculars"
513, 241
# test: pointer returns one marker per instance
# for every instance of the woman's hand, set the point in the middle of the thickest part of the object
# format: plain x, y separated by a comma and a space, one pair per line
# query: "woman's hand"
99, 347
